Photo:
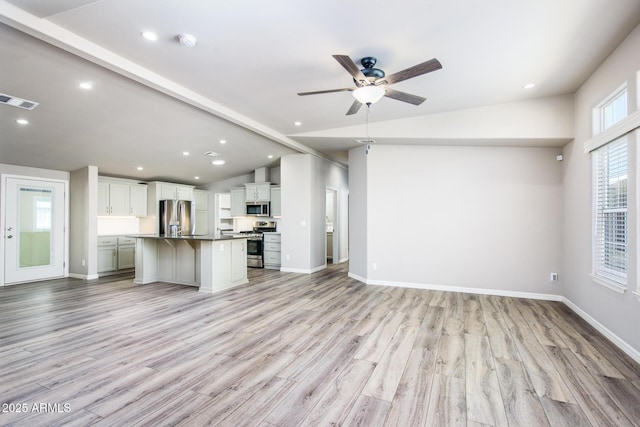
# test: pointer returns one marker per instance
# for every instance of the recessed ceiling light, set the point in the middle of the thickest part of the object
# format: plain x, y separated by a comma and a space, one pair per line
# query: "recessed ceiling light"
196, 177
529, 85
218, 162
140, 168
185, 153
85, 85
297, 123
150, 35
223, 141
22, 121
270, 156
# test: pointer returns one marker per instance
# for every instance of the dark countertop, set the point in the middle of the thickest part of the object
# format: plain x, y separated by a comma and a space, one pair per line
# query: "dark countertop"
196, 237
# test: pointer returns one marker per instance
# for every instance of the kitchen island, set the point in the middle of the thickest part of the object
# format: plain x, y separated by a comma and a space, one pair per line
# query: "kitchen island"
211, 262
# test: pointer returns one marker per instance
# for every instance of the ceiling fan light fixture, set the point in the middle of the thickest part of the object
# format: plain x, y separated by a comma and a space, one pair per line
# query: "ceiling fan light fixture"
368, 94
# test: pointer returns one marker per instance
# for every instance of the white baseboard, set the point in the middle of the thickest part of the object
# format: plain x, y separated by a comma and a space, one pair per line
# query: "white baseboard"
356, 277
497, 292
303, 270
622, 344
83, 276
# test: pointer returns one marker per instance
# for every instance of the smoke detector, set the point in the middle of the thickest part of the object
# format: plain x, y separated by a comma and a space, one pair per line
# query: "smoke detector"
187, 40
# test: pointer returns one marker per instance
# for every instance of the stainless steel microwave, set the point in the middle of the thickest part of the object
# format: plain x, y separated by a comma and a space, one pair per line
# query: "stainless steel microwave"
258, 209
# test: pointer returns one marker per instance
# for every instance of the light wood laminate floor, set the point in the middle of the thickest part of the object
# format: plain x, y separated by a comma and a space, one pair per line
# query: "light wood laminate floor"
302, 350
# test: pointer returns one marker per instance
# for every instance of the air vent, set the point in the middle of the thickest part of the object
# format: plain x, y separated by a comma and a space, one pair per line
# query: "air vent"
211, 154
14, 101
365, 141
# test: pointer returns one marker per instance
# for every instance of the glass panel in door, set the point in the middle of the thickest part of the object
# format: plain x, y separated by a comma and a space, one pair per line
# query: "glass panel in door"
34, 229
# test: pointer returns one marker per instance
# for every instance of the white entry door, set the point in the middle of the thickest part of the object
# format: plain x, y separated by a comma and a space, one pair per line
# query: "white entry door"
34, 229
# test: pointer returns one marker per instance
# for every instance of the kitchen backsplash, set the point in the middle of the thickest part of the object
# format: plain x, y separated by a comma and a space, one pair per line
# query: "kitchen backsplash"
115, 226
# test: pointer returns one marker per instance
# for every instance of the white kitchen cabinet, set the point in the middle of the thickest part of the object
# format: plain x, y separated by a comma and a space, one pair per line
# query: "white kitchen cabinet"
116, 253
107, 254
126, 257
121, 199
276, 206
258, 192
201, 202
113, 198
126, 252
138, 200
238, 202
169, 191
202, 222
271, 250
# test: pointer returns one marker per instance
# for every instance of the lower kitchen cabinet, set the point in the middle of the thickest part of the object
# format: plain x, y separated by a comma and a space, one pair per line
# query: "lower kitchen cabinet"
271, 250
126, 253
107, 254
116, 253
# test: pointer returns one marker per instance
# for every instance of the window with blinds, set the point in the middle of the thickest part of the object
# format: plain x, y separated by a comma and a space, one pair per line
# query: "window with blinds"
610, 171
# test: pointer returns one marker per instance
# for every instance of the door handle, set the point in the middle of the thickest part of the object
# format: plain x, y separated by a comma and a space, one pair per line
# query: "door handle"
9, 236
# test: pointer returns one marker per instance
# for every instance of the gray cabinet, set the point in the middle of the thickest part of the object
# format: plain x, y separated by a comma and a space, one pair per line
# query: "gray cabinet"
271, 250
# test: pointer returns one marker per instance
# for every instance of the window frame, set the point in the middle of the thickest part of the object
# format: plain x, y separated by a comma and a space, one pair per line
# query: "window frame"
609, 274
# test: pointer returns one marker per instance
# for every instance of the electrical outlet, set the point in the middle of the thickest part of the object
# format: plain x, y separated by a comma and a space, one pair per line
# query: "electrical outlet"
374, 266
553, 277
84, 263
287, 257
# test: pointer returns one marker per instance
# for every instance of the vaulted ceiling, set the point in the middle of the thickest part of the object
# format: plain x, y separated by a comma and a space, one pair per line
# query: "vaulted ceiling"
152, 101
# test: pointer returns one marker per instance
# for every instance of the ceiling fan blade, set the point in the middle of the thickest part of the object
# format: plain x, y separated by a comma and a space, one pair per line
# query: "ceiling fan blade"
355, 107
404, 97
416, 70
352, 68
326, 91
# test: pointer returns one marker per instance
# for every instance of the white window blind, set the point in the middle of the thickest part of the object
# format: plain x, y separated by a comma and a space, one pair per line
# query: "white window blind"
610, 171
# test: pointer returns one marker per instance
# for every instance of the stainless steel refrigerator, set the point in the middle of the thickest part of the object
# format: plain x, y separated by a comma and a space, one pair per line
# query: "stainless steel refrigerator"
177, 217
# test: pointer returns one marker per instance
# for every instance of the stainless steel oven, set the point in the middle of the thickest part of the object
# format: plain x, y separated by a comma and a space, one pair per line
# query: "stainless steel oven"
255, 242
254, 251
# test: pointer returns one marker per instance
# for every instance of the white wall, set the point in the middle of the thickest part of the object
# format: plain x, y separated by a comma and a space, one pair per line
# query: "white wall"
83, 242
304, 179
358, 209
478, 219
618, 315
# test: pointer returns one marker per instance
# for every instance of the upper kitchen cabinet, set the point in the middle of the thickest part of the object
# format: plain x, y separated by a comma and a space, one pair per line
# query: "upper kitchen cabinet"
201, 202
276, 207
238, 202
116, 198
258, 192
169, 191
138, 200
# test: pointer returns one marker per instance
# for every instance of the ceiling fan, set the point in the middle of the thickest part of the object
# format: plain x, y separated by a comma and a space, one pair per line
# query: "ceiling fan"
374, 81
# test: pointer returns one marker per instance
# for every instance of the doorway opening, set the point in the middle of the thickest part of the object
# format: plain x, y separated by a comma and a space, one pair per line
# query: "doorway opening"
332, 237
